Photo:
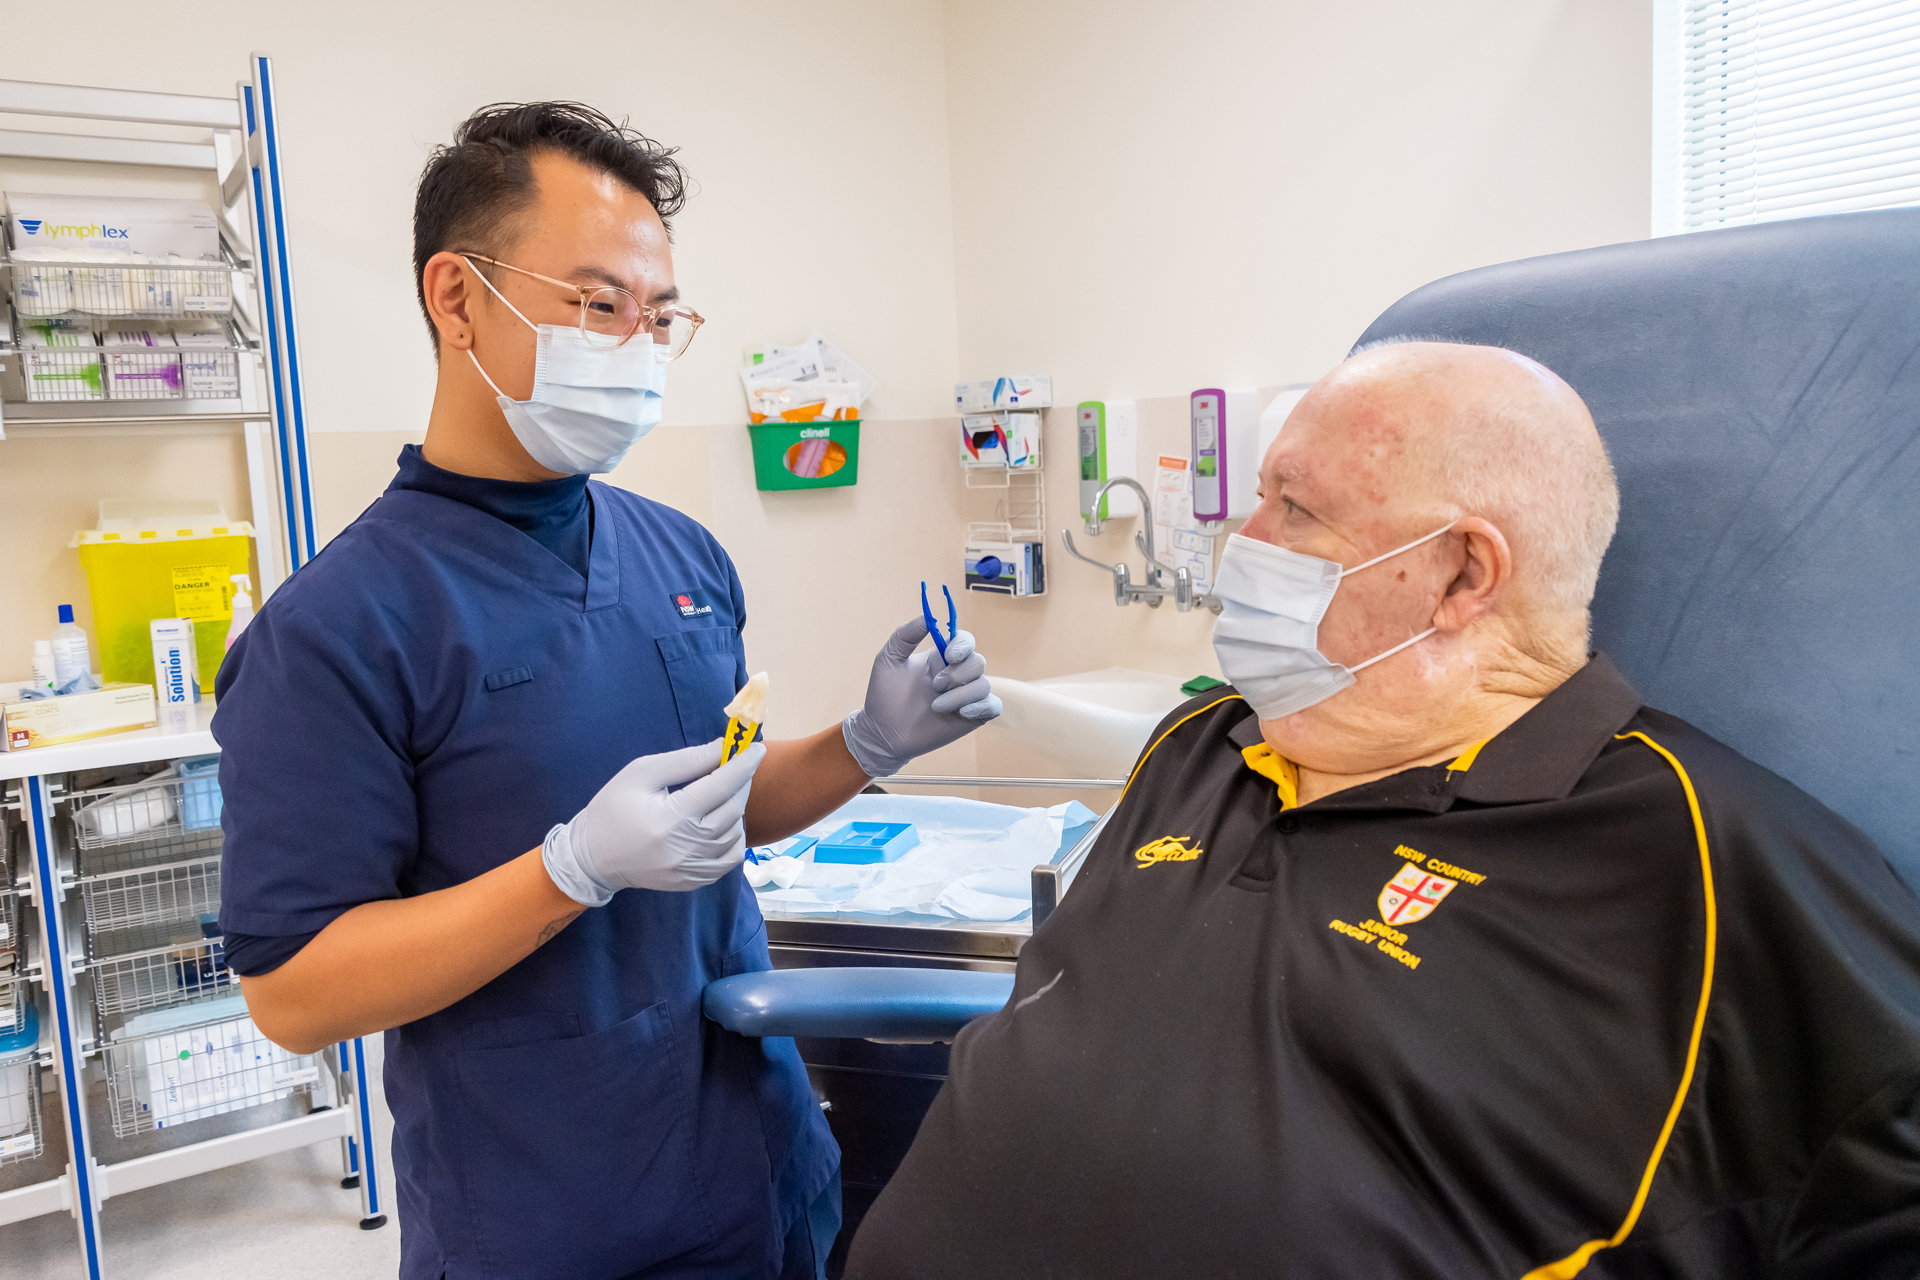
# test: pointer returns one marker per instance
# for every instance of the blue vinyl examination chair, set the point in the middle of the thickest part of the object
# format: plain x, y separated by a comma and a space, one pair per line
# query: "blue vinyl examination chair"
1759, 390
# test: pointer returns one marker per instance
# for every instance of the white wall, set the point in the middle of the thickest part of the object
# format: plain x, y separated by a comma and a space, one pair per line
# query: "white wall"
1152, 198
1149, 198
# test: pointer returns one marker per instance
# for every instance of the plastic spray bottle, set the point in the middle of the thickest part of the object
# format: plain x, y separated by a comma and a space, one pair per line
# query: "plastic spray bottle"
242, 607
71, 658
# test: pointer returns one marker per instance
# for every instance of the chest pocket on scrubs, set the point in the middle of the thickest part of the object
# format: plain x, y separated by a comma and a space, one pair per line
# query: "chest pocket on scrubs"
701, 668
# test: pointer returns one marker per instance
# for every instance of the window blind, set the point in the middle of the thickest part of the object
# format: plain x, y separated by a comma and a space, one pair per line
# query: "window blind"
1797, 107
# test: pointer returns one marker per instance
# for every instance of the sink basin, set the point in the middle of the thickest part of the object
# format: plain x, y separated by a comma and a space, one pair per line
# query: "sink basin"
1092, 724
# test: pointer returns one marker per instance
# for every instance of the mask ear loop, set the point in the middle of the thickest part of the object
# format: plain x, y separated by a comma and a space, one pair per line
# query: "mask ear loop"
1397, 648
523, 320
1389, 555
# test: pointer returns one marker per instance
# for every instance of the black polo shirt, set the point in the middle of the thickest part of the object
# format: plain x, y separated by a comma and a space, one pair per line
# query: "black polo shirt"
1598, 997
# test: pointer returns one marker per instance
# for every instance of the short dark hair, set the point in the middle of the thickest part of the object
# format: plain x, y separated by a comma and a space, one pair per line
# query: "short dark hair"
472, 190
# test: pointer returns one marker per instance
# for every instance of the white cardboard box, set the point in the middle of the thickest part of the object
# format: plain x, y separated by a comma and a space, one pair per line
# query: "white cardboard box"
46, 722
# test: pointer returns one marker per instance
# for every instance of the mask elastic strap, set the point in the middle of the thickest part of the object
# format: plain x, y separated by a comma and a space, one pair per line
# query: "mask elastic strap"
1389, 555
1403, 644
483, 373
523, 320
509, 306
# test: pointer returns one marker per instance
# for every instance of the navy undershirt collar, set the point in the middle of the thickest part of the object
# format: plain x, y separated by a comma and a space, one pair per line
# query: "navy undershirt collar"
554, 513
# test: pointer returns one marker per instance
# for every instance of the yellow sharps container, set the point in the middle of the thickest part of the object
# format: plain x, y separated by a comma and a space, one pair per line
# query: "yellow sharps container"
152, 560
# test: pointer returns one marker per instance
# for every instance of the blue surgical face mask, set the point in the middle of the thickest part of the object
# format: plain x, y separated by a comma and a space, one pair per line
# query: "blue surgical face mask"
1268, 635
589, 404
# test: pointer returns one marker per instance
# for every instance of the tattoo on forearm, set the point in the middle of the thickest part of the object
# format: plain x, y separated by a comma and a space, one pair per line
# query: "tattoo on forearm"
547, 934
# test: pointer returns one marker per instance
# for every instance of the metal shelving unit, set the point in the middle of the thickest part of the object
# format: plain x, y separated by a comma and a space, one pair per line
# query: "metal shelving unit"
110, 886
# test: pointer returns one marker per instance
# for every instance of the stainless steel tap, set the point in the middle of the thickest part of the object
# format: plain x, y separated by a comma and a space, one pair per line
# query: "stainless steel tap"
1158, 576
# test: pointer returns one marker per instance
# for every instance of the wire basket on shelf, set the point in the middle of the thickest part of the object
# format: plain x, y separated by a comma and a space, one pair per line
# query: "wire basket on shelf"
176, 1076
20, 1136
162, 819
63, 376
42, 290
180, 973
130, 905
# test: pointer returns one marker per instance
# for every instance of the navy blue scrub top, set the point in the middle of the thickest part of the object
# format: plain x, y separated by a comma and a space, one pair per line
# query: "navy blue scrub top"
417, 706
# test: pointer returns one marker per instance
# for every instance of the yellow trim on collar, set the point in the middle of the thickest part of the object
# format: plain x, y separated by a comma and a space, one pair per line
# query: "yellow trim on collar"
1268, 763
1464, 761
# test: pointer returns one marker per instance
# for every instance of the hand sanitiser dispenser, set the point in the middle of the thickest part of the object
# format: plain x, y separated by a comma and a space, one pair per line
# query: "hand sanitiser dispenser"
1108, 449
1226, 454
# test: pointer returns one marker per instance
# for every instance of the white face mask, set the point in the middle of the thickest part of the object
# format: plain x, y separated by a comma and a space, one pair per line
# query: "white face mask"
1268, 635
589, 404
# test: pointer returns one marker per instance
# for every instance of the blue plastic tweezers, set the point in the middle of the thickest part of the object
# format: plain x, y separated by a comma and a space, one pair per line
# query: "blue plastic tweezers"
940, 642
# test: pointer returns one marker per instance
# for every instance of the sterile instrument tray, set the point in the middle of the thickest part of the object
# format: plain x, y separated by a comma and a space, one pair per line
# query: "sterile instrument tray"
188, 1073
864, 842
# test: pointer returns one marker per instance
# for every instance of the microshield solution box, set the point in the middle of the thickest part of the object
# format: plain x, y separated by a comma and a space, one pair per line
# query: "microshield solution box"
176, 662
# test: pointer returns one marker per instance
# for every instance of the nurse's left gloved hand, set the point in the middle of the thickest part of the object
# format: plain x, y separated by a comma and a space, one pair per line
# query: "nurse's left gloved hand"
916, 702
639, 833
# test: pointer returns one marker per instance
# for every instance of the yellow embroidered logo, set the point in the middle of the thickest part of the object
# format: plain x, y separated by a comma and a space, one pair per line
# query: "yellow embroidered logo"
1165, 849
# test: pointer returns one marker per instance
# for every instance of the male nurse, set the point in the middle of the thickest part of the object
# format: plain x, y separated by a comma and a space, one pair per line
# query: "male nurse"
474, 795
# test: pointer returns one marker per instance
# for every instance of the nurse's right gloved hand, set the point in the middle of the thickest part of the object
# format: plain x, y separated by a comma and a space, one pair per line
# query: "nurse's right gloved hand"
638, 834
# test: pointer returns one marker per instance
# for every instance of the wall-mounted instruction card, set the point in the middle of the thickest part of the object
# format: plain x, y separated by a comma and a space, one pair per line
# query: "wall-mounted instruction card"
1176, 533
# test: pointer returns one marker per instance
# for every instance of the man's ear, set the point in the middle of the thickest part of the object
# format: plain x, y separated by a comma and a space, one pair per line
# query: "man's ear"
1483, 563
451, 292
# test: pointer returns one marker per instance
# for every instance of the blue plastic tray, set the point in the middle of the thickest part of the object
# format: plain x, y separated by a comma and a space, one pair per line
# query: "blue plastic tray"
867, 842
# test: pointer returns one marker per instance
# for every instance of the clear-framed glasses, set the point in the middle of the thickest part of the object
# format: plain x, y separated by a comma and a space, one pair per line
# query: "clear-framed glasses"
610, 316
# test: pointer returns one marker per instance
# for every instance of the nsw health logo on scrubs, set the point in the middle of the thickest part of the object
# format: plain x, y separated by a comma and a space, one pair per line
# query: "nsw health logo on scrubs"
691, 605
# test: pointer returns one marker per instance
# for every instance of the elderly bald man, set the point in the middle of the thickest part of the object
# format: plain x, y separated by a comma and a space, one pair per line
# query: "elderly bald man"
1425, 950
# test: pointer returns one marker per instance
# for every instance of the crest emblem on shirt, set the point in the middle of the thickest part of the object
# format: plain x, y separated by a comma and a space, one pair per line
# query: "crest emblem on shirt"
1412, 895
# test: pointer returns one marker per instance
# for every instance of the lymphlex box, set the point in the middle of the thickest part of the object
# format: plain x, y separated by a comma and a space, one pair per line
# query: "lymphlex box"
155, 228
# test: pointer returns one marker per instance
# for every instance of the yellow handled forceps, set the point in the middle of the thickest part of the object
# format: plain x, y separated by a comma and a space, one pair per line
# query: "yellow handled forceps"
744, 714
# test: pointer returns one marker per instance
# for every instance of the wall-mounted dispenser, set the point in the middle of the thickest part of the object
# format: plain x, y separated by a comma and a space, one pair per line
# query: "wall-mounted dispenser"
1226, 455
1108, 450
